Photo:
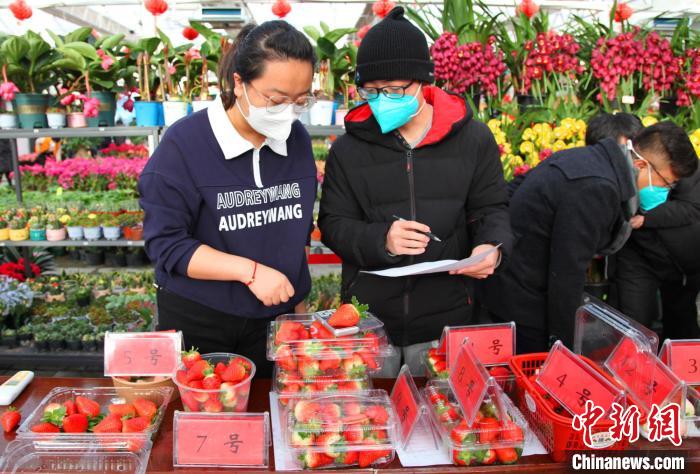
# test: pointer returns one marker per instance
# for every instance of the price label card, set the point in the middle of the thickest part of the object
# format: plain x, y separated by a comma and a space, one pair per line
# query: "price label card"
221, 439
407, 403
493, 344
683, 357
572, 382
142, 354
468, 380
642, 373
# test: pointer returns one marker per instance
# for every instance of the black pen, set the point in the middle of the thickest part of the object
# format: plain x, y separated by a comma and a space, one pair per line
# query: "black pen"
428, 234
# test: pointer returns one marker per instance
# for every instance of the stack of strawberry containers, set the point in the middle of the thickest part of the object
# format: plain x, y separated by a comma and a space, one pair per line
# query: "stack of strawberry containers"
323, 364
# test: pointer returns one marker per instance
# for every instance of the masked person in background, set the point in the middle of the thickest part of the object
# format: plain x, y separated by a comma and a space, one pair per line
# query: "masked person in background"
412, 151
575, 205
229, 197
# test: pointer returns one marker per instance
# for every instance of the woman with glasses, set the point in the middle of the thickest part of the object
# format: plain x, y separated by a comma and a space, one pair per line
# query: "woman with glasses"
415, 179
229, 197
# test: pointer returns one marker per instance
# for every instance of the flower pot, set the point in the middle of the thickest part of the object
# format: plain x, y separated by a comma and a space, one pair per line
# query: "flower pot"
37, 234
114, 259
19, 234
55, 235
90, 346
31, 110
5, 234
321, 113
95, 258
56, 345
106, 111
111, 232
198, 105
75, 232
56, 119
76, 120
340, 117
146, 113
8, 121
134, 259
92, 233
133, 232
173, 110
74, 345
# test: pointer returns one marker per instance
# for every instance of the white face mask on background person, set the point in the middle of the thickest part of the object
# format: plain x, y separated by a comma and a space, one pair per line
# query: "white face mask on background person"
276, 126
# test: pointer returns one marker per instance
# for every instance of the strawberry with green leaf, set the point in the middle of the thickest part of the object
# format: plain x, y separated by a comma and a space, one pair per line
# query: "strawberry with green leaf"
349, 314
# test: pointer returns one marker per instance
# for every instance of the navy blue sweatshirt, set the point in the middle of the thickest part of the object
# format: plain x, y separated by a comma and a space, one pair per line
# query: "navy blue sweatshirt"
193, 195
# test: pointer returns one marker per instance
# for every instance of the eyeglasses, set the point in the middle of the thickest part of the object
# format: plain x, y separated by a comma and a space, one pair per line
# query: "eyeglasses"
392, 92
279, 103
669, 184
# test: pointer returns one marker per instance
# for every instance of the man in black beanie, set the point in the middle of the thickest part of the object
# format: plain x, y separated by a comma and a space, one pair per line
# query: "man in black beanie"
413, 152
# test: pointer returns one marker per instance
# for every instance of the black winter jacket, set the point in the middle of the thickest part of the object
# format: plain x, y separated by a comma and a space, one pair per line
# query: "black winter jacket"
568, 210
452, 181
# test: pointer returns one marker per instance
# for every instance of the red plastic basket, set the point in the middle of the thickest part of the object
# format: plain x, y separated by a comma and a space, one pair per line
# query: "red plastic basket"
554, 430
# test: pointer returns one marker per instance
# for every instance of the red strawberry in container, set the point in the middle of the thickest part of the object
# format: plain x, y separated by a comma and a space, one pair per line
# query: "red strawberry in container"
348, 315
190, 357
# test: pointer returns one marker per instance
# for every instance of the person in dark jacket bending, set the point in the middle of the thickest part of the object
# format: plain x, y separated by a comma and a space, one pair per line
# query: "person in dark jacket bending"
412, 151
575, 205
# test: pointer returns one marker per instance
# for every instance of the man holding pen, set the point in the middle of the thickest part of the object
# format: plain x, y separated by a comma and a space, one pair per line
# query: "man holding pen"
415, 179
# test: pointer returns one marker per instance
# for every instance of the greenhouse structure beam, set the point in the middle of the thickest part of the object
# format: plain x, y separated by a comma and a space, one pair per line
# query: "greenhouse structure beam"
82, 16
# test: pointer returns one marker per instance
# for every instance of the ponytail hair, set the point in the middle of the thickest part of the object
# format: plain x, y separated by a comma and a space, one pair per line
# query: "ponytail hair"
254, 46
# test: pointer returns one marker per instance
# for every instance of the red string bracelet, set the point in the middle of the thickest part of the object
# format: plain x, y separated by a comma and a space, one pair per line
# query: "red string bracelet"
252, 279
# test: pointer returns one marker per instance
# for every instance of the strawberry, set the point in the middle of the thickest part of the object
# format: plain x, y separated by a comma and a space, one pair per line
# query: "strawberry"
319, 331
211, 381
136, 425
348, 458
371, 342
368, 359
75, 423
305, 411
348, 315
54, 413
354, 366
355, 419
367, 458
45, 427
462, 457
228, 394
327, 441
351, 386
197, 371
122, 409
353, 434
70, 407
447, 413
440, 368
311, 349
10, 419
288, 331
313, 460
145, 408
285, 358
462, 433
220, 368
489, 429
188, 401
181, 377
110, 424
190, 357
330, 412
512, 432
352, 408
235, 372
309, 367
302, 438
213, 406
488, 457
436, 397
377, 414
331, 361
507, 455
87, 406
303, 333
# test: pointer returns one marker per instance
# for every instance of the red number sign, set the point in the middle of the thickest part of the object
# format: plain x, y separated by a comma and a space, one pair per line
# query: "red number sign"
572, 381
684, 359
403, 397
468, 380
649, 380
492, 343
221, 439
143, 354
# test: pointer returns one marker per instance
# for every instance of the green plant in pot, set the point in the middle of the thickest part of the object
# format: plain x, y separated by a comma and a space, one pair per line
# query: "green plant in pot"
41, 340
55, 230
91, 226
18, 228
110, 227
73, 339
132, 225
174, 63
148, 109
24, 334
200, 64
9, 337
89, 342
37, 228
29, 64
56, 340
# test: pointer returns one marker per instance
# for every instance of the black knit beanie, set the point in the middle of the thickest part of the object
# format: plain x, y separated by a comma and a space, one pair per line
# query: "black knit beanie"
394, 49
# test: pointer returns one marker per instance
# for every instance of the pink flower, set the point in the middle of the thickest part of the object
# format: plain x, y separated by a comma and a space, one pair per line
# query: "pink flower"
91, 107
171, 69
67, 100
192, 54
112, 186
128, 105
8, 90
521, 170
107, 62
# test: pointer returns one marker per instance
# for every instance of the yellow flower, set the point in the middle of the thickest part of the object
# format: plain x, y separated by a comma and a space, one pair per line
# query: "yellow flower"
92, 216
527, 147
580, 143
507, 148
558, 146
528, 134
649, 120
59, 191
65, 218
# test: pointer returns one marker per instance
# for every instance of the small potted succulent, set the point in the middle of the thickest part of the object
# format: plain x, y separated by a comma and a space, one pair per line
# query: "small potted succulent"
4, 228
37, 228
41, 341
110, 227
89, 342
55, 231
24, 335
18, 228
132, 225
73, 340
82, 296
56, 340
9, 338
91, 226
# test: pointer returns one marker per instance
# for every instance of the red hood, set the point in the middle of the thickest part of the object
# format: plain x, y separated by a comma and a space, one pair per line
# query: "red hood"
449, 110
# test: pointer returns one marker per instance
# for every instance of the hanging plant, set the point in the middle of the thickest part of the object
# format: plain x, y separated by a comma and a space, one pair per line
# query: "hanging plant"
381, 8
20, 10
281, 8
190, 33
156, 7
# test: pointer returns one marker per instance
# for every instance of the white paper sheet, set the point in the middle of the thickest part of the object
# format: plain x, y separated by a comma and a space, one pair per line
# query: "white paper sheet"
432, 267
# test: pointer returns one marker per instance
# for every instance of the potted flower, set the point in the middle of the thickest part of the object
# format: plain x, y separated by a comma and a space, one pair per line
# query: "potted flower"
173, 71
149, 108
199, 63
9, 338
91, 226
8, 89
18, 228
4, 228
110, 227
132, 225
37, 228
55, 230
80, 107
56, 114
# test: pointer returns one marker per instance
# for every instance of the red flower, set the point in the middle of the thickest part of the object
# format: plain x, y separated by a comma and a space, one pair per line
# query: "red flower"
156, 7
190, 33
623, 12
381, 8
20, 9
521, 170
529, 8
281, 8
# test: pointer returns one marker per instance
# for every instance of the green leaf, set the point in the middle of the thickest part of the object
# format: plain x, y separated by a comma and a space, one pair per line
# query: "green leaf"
15, 48
312, 32
165, 39
104, 84
148, 45
56, 39
208, 33
326, 48
325, 28
85, 50
335, 35
72, 59
112, 41
79, 35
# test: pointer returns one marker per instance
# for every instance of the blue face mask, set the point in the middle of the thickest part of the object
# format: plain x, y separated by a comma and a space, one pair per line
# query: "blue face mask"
394, 113
652, 196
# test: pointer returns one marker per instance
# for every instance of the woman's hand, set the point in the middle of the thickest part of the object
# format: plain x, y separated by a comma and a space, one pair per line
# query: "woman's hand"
270, 286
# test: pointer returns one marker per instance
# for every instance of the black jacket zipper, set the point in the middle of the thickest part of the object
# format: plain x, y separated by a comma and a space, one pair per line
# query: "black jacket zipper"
412, 201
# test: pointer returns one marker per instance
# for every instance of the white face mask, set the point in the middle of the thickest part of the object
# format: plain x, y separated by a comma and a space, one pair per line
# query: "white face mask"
276, 126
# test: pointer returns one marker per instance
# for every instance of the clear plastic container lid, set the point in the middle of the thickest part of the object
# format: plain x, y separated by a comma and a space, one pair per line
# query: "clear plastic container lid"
599, 328
683, 358
70, 454
293, 382
303, 337
341, 430
57, 398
